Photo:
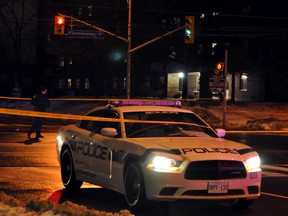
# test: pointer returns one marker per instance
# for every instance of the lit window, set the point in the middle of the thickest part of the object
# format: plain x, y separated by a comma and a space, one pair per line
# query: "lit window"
243, 82
213, 46
90, 10
124, 83
69, 83
87, 84
61, 62
181, 76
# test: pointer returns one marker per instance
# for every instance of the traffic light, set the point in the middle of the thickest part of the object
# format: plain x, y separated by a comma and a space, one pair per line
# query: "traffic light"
219, 69
59, 25
189, 29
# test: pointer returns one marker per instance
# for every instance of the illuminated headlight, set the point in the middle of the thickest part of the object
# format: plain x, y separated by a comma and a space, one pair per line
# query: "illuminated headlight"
164, 164
252, 163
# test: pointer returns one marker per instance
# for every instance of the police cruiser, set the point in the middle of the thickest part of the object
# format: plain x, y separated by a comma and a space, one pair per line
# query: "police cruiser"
151, 152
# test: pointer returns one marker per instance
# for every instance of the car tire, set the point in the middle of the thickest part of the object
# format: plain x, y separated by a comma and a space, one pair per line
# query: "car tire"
135, 193
243, 203
68, 172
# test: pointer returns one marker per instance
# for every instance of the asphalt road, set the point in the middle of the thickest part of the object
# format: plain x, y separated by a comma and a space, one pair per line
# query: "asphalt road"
30, 170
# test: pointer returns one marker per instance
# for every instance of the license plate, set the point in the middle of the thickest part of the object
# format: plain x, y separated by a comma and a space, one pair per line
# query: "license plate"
218, 187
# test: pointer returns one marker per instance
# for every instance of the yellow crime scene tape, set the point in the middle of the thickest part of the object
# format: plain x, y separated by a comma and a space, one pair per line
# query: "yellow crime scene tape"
30, 113
20, 112
26, 113
58, 99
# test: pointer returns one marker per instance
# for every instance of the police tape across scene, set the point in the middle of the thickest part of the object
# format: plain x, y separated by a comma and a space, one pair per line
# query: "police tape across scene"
116, 102
26, 113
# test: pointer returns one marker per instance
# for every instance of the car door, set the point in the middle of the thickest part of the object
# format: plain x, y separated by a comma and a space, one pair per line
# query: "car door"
80, 145
103, 147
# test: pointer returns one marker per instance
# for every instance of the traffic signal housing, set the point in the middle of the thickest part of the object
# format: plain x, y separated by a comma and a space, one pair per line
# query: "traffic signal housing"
59, 25
219, 68
189, 29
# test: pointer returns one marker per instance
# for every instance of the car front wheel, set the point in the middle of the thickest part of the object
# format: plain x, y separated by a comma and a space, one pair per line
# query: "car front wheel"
134, 187
68, 173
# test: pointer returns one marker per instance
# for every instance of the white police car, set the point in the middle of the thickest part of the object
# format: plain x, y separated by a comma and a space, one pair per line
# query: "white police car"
157, 153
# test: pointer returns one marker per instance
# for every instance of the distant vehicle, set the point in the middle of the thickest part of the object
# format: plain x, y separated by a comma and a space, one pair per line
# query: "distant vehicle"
157, 153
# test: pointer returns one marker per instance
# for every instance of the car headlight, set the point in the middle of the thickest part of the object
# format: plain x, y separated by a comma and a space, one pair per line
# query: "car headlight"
253, 163
164, 164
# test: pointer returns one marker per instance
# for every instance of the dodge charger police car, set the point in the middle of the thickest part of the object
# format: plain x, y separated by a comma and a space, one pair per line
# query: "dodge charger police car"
157, 153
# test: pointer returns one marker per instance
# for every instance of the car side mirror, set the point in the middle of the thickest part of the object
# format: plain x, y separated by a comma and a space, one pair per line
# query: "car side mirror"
221, 132
109, 132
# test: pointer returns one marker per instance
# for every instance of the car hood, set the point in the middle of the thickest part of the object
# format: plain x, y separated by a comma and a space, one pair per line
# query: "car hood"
196, 148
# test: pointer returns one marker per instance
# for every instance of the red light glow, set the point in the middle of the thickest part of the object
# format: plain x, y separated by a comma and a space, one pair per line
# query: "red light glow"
60, 21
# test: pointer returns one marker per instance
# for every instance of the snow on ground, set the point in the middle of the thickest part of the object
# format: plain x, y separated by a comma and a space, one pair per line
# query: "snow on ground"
250, 116
10, 206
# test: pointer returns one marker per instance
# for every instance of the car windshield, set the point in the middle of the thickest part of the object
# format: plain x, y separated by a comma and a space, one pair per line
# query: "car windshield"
189, 125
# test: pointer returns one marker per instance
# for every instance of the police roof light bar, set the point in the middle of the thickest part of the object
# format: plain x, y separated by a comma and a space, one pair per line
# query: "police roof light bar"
146, 103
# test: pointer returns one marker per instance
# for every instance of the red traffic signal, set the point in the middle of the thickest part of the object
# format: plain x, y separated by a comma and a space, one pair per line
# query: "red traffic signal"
220, 66
59, 25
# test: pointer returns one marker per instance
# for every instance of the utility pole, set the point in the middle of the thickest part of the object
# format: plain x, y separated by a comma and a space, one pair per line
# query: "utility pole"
128, 81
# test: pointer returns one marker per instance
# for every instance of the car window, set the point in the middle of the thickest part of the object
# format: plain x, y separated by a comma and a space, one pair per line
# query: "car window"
195, 127
96, 126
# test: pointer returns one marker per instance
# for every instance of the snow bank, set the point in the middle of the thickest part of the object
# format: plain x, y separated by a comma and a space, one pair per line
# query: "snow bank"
11, 206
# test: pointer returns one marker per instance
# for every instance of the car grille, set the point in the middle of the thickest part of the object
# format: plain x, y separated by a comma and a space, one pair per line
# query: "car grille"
215, 170
205, 193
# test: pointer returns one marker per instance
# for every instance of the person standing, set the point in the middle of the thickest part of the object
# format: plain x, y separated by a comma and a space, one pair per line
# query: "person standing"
41, 103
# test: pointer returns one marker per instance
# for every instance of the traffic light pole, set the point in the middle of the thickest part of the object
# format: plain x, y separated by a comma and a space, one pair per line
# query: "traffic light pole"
156, 39
95, 27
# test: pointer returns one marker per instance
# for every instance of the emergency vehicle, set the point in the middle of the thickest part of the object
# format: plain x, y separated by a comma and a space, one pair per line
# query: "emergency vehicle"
157, 151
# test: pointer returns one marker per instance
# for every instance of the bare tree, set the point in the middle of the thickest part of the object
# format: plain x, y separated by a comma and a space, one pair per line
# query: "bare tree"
18, 24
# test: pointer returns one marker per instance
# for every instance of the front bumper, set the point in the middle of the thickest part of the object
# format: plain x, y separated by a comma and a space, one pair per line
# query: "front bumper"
173, 186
